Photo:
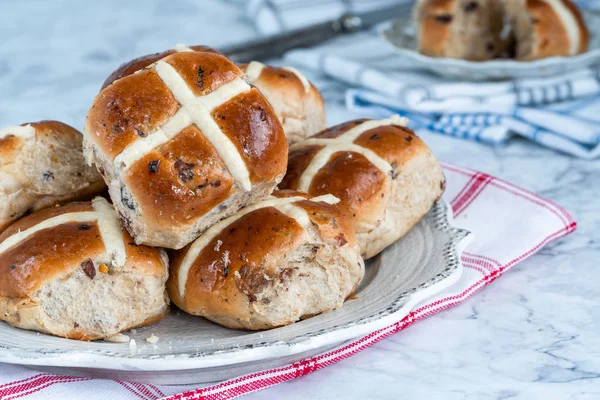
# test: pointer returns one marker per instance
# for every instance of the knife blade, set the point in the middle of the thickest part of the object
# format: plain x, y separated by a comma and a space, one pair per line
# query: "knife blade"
277, 45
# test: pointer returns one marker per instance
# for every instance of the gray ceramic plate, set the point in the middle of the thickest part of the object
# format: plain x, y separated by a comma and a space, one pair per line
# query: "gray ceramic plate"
193, 350
401, 35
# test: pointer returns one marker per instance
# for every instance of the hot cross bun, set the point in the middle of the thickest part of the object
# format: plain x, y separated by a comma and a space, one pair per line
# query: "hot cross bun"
183, 144
42, 164
72, 271
273, 263
386, 178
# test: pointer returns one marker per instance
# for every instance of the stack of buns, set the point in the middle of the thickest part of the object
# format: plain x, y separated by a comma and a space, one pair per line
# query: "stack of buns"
479, 30
202, 204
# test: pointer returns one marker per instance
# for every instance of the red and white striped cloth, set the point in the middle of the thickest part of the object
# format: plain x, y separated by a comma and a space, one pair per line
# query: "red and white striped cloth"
522, 223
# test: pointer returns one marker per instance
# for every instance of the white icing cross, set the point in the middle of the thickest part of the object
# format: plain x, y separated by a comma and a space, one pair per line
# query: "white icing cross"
110, 230
344, 142
181, 48
108, 224
254, 70
303, 79
194, 110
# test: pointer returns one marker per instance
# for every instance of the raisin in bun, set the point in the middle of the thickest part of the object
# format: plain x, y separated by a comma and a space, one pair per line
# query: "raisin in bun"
42, 164
297, 102
546, 28
72, 271
386, 178
273, 263
183, 144
467, 29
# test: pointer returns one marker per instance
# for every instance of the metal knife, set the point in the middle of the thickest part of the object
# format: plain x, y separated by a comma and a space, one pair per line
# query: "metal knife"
277, 45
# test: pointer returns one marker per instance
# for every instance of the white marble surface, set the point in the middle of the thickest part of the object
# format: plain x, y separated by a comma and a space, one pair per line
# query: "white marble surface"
534, 333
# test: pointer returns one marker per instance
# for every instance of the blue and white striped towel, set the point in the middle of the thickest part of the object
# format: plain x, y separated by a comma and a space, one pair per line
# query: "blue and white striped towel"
560, 112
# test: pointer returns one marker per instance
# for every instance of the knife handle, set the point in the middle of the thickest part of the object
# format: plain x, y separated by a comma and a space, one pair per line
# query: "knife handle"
277, 45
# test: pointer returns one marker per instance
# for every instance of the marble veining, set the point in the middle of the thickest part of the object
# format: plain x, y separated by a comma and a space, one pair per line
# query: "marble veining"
534, 333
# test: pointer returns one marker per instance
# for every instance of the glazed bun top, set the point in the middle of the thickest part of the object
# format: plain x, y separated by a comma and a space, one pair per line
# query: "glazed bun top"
53, 242
142, 62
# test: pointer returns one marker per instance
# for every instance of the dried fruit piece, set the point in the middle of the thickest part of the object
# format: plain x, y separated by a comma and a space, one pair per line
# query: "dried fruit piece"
88, 268
444, 18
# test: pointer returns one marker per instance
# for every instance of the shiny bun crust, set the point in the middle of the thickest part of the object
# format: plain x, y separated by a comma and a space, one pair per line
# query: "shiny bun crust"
296, 102
142, 62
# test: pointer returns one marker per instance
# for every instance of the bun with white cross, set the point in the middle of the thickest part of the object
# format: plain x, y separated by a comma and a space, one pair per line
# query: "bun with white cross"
286, 258
386, 178
42, 164
296, 101
72, 271
183, 144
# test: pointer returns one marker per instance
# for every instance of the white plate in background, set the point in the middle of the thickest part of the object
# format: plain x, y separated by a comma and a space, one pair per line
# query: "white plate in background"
401, 34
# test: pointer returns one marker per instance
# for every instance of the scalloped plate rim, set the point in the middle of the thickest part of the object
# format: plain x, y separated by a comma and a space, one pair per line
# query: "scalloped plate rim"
180, 362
